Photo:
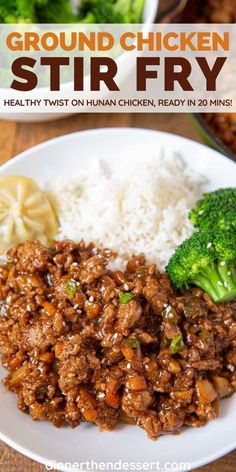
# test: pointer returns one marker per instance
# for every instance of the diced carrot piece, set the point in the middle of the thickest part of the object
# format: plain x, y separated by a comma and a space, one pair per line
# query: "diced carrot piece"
86, 397
58, 349
127, 352
49, 308
17, 360
92, 310
90, 414
112, 385
112, 399
47, 357
137, 383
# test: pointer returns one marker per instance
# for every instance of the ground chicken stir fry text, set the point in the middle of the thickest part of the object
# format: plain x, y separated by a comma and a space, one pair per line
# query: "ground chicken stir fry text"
83, 343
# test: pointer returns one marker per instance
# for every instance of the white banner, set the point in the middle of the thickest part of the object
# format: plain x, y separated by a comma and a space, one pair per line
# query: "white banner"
117, 68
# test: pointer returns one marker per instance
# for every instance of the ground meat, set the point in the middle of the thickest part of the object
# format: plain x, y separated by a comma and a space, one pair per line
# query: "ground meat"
83, 343
29, 257
129, 314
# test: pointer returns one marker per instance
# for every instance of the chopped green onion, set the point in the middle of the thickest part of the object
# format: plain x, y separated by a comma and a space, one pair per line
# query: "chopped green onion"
10, 265
41, 392
177, 343
133, 342
204, 336
125, 297
71, 287
170, 314
163, 341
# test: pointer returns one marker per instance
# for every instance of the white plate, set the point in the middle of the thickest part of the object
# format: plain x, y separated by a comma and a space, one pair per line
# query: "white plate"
40, 440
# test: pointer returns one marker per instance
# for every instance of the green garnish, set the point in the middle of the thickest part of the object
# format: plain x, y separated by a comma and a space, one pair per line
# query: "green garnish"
10, 265
163, 341
125, 297
204, 336
71, 287
133, 342
177, 343
41, 392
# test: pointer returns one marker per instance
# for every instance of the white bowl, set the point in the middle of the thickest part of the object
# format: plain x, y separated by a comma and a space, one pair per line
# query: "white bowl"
40, 440
150, 11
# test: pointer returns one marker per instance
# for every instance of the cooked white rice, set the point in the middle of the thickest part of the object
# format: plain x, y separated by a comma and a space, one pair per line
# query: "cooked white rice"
141, 206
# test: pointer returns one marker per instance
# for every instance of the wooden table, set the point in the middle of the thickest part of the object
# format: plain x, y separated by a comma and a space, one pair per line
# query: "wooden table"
15, 138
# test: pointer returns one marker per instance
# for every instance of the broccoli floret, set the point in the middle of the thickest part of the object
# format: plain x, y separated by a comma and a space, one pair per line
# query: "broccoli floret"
96, 11
111, 11
55, 11
36, 11
61, 11
207, 260
216, 210
8, 11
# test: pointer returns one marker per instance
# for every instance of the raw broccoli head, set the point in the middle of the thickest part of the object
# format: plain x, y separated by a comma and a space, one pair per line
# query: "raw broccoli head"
207, 260
216, 210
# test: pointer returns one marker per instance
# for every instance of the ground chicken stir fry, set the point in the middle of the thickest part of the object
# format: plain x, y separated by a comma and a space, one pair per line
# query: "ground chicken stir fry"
83, 343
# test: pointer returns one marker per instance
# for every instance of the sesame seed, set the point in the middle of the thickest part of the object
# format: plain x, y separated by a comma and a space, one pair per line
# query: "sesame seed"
101, 395
75, 264
209, 245
91, 299
126, 287
128, 365
28, 308
76, 306
220, 283
115, 336
230, 367
226, 284
229, 272
222, 263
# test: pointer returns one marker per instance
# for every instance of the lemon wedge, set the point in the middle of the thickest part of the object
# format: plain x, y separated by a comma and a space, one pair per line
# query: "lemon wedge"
25, 212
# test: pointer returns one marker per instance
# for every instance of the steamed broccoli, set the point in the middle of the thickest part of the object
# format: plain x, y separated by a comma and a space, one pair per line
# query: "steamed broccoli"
61, 11
216, 210
20, 11
36, 11
111, 11
207, 260
54, 11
